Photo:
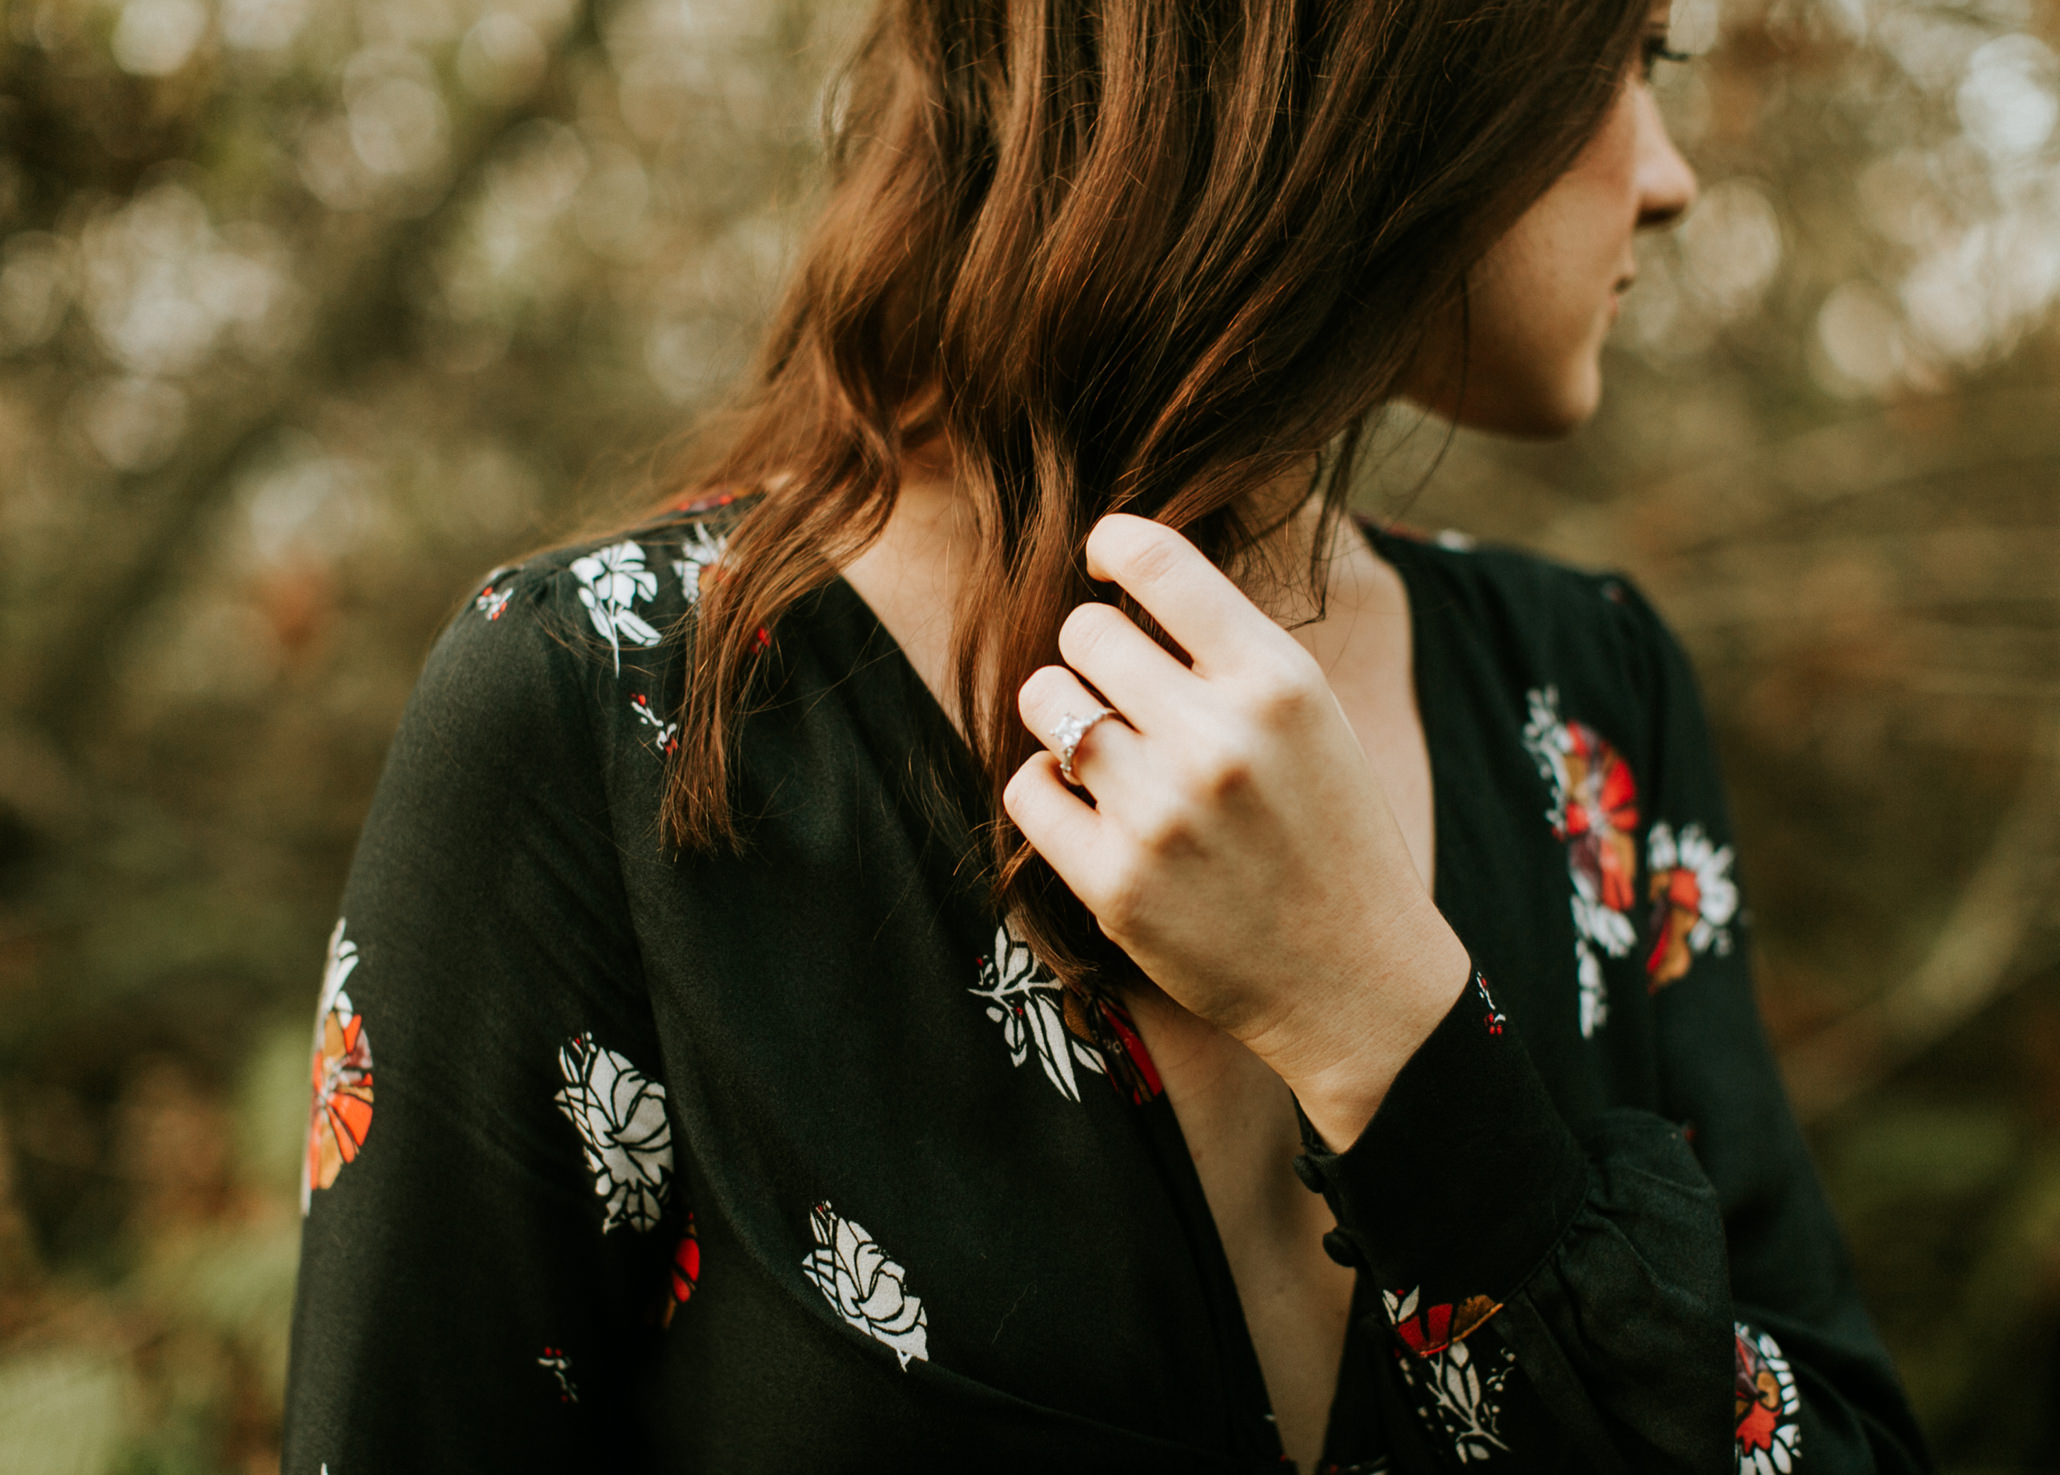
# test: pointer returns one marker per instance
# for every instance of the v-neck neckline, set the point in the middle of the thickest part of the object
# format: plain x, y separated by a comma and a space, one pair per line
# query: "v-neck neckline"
1158, 1116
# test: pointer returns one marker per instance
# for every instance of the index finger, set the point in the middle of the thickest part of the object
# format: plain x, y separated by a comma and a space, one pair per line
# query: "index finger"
1220, 629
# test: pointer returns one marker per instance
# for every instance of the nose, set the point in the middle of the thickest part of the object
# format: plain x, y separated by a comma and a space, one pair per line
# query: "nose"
1666, 183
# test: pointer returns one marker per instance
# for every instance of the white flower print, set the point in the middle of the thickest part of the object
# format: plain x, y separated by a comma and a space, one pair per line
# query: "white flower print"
1545, 739
700, 549
1594, 1001
343, 960
611, 582
1766, 1404
1456, 1391
1607, 928
664, 735
867, 1289
1029, 1004
624, 1132
558, 1365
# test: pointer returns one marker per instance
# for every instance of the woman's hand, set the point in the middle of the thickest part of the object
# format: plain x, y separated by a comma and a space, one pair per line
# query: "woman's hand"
1239, 847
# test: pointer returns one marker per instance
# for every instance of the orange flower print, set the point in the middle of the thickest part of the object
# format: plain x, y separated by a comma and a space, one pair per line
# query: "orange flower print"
340, 1103
1765, 1404
1693, 901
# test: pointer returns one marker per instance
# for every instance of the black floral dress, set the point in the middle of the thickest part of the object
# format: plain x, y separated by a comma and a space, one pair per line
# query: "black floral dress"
797, 1159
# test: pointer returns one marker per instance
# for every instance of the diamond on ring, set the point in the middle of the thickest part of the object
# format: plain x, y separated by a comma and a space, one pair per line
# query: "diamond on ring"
1069, 732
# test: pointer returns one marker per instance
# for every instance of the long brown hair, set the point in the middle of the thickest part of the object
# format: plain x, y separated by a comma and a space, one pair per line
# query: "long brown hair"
1146, 255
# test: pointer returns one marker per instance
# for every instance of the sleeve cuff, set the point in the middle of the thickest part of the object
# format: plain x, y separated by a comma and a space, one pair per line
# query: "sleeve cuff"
1464, 1179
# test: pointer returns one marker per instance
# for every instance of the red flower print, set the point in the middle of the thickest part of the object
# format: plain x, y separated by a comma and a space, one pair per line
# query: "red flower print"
1594, 809
1601, 815
1432, 1330
685, 1272
340, 1071
1456, 1387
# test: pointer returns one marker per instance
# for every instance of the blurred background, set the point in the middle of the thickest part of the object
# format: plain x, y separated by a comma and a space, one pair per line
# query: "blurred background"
312, 313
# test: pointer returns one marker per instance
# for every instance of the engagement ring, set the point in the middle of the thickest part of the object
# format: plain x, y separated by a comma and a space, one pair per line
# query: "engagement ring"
1068, 732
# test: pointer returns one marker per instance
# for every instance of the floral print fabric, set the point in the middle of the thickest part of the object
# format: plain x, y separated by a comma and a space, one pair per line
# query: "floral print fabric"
1033, 1008
1594, 810
611, 583
627, 1096
864, 1287
1693, 900
1458, 1391
1691, 897
340, 1108
1766, 1405
1039, 1014
625, 1135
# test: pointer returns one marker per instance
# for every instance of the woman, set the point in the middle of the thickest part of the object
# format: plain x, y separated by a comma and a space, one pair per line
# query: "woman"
1002, 933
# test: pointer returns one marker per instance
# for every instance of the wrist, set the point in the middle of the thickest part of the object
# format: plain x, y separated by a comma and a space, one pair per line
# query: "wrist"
1340, 1073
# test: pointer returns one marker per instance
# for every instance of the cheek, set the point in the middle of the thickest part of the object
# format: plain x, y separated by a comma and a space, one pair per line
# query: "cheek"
1540, 308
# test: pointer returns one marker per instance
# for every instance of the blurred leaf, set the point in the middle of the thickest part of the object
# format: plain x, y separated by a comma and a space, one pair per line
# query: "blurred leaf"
62, 1413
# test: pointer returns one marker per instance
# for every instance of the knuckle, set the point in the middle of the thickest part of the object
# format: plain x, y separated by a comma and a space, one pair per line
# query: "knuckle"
1225, 775
1120, 905
1164, 830
1217, 765
1154, 554
1038, 691
1282, 693
1016, 792
1085, 630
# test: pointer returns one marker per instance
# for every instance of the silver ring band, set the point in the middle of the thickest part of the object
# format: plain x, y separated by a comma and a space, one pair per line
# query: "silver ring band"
1069, 732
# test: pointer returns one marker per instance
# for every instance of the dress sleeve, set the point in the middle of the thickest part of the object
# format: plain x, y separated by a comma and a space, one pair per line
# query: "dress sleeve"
491, 1236
1657, 1291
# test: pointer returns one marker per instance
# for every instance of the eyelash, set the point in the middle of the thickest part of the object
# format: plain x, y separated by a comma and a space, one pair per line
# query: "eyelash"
1653, 52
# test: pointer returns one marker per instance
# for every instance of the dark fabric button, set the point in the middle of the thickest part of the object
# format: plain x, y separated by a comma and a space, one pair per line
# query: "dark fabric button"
1308, 1172
1342, 1250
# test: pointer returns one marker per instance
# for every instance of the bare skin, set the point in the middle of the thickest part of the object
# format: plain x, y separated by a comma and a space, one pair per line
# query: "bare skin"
1262, 841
